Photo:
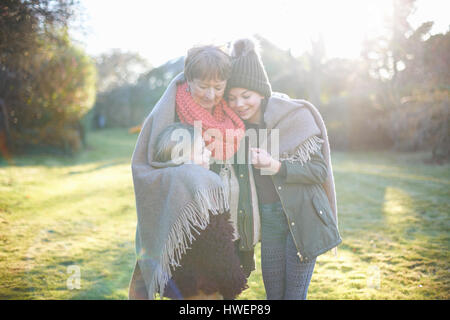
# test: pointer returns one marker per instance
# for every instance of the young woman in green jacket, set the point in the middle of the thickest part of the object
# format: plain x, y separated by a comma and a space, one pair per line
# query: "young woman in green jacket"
293, 176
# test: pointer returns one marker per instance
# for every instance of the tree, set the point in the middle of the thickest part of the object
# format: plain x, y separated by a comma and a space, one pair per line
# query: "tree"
316, 60
410, 69
425, 105
128, 104
286, 73
60, 91
387, 53
119, 68
46, 83
22, 25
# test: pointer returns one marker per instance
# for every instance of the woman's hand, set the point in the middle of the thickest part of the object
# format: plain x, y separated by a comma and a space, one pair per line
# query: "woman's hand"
261, 159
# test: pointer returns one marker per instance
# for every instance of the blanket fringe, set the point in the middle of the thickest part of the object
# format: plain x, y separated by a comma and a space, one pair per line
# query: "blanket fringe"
194, 216
305, 150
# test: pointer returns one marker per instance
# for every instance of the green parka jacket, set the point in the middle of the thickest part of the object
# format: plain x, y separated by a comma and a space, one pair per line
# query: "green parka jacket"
308, 212
300, 184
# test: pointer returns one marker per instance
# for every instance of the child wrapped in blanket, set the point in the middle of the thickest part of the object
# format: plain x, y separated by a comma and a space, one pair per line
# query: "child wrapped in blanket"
199, 247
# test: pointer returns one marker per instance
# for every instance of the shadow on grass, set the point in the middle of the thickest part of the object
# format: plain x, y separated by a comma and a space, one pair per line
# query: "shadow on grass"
109, 145
394, 204
101, 277
102, 166
396, 221
112, 284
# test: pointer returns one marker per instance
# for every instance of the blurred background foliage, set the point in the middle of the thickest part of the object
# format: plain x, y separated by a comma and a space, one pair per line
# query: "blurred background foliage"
47, 84
394, 96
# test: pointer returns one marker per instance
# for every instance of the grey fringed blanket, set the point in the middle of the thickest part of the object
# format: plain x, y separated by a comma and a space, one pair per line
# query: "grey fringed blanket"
172, 202
302, 132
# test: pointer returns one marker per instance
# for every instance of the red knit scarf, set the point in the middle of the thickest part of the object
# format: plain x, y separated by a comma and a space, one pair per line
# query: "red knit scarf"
222, 120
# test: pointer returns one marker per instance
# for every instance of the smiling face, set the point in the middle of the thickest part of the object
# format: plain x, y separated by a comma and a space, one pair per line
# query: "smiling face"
246, 104
207, 93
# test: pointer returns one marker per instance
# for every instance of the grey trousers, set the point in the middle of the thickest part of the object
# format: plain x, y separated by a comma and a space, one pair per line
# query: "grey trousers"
285, 277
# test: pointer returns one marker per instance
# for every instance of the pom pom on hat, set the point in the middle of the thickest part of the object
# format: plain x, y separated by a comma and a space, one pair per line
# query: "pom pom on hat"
247, 70
243, 47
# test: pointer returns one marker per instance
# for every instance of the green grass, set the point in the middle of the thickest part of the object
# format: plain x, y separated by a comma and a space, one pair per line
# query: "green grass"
60, 212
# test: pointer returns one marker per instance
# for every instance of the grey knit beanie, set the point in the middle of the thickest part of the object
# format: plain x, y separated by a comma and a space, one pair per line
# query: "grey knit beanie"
247, 70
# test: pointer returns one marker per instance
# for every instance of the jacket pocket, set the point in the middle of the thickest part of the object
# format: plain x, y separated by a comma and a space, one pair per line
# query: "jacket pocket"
320, 209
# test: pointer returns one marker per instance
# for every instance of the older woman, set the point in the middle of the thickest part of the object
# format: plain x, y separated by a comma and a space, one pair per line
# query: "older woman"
296, 191
195, 96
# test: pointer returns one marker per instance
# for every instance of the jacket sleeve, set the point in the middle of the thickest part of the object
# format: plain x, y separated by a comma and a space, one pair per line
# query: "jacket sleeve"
312, 172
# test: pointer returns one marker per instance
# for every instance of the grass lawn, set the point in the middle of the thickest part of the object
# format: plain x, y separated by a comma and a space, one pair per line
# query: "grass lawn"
61, 217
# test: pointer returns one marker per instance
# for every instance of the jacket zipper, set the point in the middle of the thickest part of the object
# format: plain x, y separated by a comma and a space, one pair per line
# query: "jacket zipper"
244, 226
289, 225
241, 214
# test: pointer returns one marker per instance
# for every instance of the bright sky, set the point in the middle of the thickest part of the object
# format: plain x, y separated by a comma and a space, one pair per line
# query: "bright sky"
163, 30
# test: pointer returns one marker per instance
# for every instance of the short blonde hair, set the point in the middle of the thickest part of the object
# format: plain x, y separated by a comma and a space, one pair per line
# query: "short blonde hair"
208, 62
165, 143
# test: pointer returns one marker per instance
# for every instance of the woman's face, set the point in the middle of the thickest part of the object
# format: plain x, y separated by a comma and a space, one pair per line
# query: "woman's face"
207, 93
246, 104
